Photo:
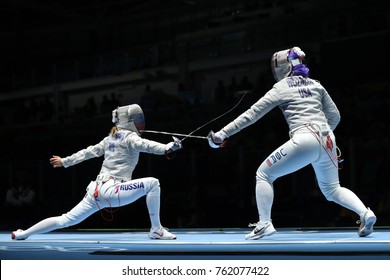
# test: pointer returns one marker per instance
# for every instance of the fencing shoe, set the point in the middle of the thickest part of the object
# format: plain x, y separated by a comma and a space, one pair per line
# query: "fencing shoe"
366, 223
18, 235
262, 229
161, 233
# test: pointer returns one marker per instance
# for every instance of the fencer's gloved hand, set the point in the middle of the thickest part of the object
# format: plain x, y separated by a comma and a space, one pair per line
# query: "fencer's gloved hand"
217, 140
173, 146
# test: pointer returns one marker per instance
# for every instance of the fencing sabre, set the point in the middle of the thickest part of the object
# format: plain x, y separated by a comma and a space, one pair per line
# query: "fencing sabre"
174, 134
190, 135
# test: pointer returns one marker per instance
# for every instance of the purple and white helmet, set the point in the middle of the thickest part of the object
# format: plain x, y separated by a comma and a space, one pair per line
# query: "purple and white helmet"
129, 117
283, 63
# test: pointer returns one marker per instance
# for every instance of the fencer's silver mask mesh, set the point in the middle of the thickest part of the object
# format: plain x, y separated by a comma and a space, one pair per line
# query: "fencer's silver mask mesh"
130, 117
282, 64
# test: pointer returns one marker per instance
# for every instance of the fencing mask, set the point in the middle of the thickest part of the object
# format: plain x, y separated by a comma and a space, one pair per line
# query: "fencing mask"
283, 62
129, 117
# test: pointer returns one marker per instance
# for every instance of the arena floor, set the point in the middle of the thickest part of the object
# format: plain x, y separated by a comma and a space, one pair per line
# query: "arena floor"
198, 244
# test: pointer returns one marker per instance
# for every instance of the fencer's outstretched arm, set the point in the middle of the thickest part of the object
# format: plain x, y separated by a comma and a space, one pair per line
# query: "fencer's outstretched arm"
152, 147
84, 154
265, 104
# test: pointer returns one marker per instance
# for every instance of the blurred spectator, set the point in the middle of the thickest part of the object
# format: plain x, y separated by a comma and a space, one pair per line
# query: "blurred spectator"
114, 101
181, 91
46, 109
32, 111
90, 107
12, 197
187, 95
220, 92
245, 84
231, 89
148, 100
105, 105
19, 205
23, 195
26, 195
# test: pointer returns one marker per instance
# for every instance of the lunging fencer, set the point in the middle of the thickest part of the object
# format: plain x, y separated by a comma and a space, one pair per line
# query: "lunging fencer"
114, 186
312, 117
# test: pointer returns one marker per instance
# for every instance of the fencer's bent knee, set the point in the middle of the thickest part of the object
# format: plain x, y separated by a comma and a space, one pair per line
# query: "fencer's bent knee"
153, 184
65, 221
262, 176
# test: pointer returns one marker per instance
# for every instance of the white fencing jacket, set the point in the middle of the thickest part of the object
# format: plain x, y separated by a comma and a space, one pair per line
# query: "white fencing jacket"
121, 153
302, 101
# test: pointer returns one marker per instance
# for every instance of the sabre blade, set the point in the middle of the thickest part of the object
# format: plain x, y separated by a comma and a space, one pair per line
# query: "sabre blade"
218, 117
190, 135
174, 134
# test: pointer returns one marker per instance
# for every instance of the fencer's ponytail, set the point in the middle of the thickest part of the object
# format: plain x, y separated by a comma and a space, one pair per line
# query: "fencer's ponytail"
113, 131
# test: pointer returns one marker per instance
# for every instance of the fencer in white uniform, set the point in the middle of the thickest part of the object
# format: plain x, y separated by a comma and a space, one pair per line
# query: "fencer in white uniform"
312, 117
114, 186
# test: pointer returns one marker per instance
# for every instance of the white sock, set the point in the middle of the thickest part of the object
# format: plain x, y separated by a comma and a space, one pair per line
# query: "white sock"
264, 200
153, 204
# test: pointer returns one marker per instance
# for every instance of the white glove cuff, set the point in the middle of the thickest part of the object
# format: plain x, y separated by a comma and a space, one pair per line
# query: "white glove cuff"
220, 135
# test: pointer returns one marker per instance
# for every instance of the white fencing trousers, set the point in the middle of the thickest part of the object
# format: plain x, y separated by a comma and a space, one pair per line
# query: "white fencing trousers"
109, 194
302, 149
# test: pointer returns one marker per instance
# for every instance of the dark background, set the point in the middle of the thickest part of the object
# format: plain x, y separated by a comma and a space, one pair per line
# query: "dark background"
57, 58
